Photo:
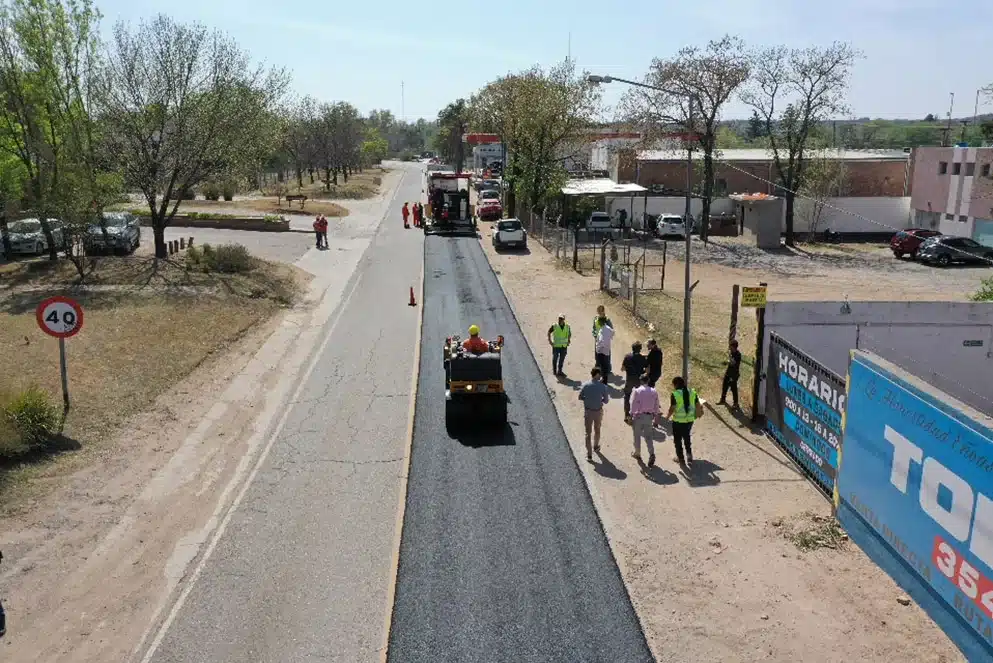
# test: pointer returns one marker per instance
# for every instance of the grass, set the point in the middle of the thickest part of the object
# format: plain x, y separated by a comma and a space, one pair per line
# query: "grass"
139, 339
709, 326
809, 531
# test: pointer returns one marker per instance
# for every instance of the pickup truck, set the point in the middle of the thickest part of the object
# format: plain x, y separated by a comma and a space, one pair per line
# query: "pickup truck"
509, 232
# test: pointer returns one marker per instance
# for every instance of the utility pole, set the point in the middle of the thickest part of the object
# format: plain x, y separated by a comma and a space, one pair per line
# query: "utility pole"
403, 113
948, 128
688, 231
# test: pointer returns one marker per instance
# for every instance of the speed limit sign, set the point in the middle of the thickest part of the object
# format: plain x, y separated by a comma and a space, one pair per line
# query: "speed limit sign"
60, 317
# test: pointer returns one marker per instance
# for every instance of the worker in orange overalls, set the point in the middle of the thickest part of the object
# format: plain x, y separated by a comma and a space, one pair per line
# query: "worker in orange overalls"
324, 230
406, 215
417, 216
474, 344
317, 230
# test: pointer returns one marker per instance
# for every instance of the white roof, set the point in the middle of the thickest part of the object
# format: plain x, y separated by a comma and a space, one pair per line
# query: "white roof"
763, 154
599, 187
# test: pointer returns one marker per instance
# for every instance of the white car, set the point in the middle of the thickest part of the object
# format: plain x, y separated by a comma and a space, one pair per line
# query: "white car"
669, 225
509, 232
27, 237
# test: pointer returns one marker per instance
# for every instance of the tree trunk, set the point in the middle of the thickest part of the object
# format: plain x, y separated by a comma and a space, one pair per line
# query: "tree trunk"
344, 174
790, 237
158, 231
334, 176
708, 193
5, 235
311, 172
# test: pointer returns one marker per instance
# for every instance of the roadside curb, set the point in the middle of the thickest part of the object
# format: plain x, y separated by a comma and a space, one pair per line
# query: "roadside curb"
596, 497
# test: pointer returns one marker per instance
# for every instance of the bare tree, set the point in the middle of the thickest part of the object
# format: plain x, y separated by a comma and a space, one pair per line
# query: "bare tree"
825, 176
183, 105
709, 76
794, 90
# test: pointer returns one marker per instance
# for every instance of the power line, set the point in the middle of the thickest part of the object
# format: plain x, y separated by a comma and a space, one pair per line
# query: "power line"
824, 203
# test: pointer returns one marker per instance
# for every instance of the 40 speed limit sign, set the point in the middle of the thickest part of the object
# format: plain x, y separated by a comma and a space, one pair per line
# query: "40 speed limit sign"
60, 317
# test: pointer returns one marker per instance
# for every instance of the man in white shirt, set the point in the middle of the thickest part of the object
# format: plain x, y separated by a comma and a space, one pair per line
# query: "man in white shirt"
604, 336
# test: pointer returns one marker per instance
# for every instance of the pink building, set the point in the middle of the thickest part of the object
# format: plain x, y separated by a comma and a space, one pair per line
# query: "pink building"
952, 191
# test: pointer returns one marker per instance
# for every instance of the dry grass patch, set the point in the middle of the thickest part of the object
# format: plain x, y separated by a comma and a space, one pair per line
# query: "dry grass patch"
709, 325
810, 531
360, 185
139, 339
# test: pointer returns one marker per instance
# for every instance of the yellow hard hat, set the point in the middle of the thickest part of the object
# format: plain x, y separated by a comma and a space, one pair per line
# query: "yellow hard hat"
473, 330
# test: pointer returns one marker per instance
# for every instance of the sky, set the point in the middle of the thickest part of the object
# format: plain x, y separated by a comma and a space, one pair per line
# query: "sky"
406, 56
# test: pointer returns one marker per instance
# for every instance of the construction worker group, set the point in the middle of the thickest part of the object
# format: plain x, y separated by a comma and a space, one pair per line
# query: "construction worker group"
642, 407
413, 212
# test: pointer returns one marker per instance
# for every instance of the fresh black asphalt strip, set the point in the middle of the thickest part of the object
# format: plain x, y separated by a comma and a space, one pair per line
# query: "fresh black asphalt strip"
502, 558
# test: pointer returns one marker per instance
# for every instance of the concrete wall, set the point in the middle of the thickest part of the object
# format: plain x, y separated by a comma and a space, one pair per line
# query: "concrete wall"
854, 215
863, 178
926, 338
844, 215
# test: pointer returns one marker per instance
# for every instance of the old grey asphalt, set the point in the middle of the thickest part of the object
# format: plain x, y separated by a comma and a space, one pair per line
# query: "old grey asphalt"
303, 570
503, 557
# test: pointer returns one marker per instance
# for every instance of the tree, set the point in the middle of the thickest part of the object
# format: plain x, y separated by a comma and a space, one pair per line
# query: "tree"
337, 140
794, 91
986, 128
183, 105
930, 118
297, 130
453, 123
825, 177
374, 147
540, 116
50, 73
705, 78
756, 127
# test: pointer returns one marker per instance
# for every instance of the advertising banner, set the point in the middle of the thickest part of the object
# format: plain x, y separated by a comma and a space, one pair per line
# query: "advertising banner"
915, 491
803, 410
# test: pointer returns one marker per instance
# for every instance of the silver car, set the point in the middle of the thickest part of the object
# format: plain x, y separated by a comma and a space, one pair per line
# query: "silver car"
28, 238
123, 234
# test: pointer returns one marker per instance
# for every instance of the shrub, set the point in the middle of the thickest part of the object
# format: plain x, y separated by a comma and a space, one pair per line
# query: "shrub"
211, 191
985, 292
226, 259
11, 444
273, 218
32, 415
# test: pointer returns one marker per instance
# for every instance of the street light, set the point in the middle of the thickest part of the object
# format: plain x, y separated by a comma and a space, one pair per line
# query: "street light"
687, 221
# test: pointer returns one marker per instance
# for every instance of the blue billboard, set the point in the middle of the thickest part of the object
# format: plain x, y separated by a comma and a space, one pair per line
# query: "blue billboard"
915, 490
804, 402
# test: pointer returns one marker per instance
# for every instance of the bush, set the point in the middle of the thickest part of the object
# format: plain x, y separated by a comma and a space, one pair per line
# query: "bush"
226, 259
985, 292
211, 191
273, 218
30, 416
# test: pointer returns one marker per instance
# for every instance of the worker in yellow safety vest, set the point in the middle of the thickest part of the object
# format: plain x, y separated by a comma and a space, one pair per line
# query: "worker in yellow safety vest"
559, 337
684, 408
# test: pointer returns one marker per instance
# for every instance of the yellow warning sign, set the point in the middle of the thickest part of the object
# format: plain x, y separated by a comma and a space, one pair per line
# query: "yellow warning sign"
754, 296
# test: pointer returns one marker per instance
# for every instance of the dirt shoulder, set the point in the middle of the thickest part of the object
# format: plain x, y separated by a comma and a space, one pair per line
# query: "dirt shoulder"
737, 560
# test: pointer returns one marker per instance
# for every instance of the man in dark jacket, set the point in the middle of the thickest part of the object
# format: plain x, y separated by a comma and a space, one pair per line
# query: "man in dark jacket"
654, 362
731, 375
634, 365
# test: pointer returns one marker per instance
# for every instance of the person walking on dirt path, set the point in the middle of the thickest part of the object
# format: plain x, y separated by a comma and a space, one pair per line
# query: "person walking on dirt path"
654, 362
604, 337
731, 375
559, 337
645, 413
406, 215
3, 615
599, 320
684, 409
594, 396
633, 365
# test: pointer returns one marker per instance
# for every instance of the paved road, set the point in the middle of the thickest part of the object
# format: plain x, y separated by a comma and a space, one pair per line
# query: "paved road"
503, 557
303, 570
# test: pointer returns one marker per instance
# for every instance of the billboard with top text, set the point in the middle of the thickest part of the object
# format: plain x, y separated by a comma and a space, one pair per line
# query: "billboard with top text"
915, 490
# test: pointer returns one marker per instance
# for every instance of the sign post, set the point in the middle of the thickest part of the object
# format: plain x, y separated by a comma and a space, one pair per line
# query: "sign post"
753, 297
61, 318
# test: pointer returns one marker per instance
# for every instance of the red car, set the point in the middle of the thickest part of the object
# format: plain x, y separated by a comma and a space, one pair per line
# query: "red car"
489, 210
906, 242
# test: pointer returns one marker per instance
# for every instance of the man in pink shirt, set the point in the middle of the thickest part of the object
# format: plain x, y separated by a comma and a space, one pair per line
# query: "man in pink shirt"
645, 413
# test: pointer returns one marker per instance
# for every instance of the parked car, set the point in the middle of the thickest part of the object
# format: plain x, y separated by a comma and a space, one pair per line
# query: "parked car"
509, 232
123, 234
669, 225
487, 185
489, 194
28, 238
489, 209
945, 249
907, 242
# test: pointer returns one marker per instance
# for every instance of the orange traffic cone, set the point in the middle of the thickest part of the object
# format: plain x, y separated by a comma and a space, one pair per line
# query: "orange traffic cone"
412, 302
